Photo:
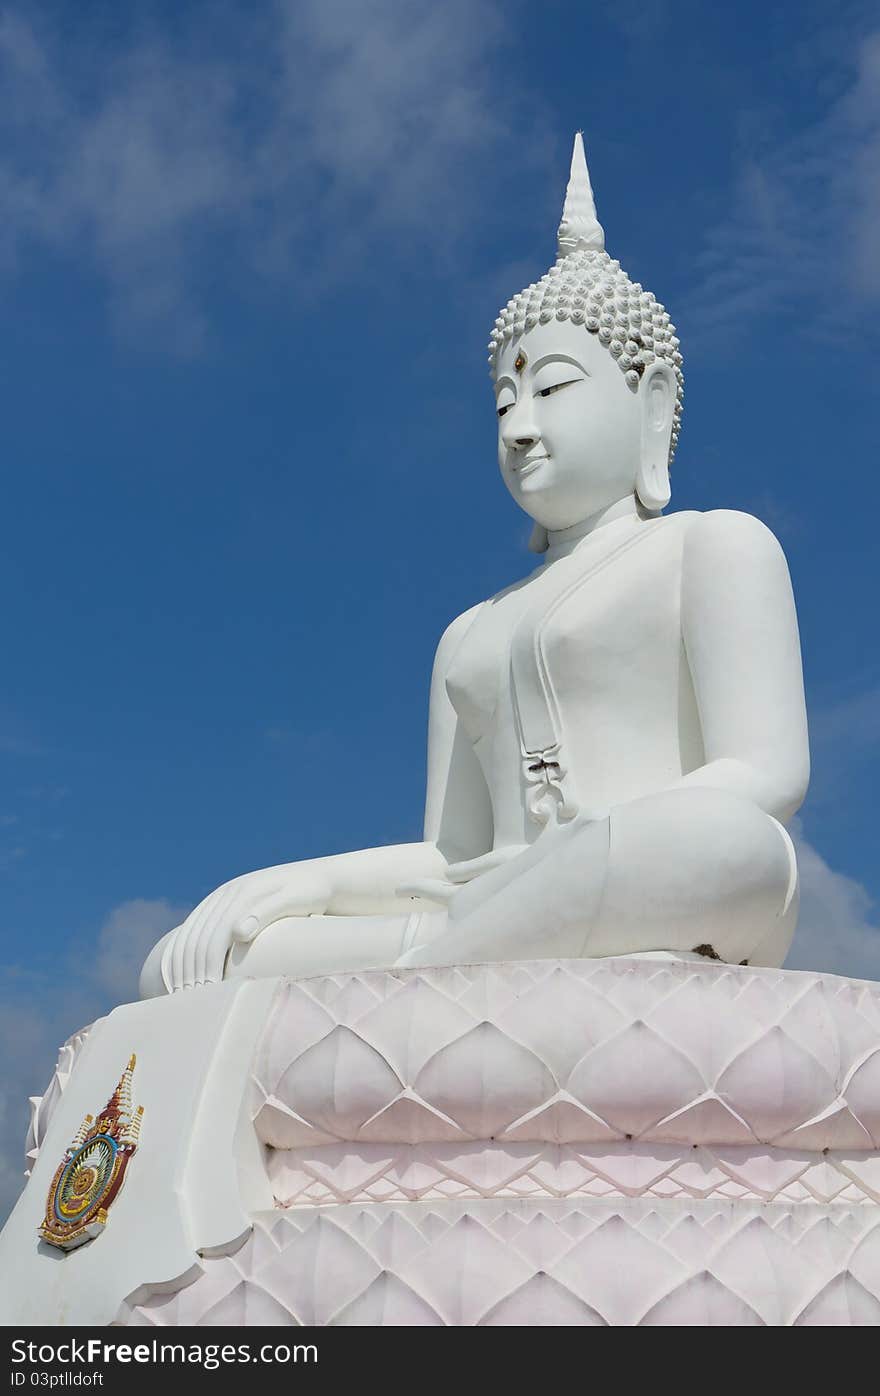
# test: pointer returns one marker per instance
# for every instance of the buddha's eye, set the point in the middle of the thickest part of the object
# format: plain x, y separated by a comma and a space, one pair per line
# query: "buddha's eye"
505, 408
545, 392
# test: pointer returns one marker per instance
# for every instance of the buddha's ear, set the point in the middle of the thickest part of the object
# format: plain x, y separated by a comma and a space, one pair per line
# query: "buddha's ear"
657, 391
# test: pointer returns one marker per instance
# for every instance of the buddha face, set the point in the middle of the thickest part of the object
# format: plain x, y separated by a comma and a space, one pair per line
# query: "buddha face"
573, 436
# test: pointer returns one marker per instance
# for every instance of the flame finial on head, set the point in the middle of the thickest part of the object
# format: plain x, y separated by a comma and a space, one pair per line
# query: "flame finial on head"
580, 229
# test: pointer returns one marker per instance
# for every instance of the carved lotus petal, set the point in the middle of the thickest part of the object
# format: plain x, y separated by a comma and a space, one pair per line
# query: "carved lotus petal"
634, 1079
388, 1302
835, 1124
828, 1248
487, 997
172, 1308
485, 1079
856, 1015
842, 1303
295, 1023
319, 1271
702, 1301
411, 1120
775, 1085
619, 1271
541, 1241
543, 1302
862, 1092
247, 1305
395, 1241
261, 1246
865, 1260
690, 1243
702, 1018
704, 1121
559, 1018
466, 1272
759, 1262
339, 1083
564, 1121
811, 1022
353, 996
412, 1025
431, 1225
281, 1128
636, 986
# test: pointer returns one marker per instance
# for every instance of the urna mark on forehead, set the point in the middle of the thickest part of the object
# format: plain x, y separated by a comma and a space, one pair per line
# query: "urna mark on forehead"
555, 343
589, 289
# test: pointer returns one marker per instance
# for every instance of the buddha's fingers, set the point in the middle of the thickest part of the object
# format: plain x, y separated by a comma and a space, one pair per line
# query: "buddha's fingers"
246, 929
184, 958
190, 952
196, 927
178, 949
309, 897
165, 965
212, 943
473, 867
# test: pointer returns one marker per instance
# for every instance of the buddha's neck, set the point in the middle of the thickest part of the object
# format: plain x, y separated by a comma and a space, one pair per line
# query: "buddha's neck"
562, 541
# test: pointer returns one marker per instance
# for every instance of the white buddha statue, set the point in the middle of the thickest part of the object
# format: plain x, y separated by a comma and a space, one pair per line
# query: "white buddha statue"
617, 741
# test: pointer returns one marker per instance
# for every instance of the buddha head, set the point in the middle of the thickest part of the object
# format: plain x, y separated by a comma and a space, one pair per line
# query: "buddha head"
588, 380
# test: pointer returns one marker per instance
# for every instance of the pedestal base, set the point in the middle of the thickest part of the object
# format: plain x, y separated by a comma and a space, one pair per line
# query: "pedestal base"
622, 1261
623, 1142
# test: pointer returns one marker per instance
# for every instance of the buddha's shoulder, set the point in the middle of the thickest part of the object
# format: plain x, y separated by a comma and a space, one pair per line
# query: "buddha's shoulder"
728, 540
729, 531
455, 632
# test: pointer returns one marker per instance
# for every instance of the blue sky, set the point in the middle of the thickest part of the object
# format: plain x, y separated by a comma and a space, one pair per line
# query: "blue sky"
249, 259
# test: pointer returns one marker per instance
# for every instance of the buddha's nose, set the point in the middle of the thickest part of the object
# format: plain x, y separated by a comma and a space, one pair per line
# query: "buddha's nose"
522, 432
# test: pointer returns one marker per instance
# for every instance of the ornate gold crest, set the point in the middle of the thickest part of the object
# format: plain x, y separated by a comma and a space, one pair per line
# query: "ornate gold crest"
88, 1179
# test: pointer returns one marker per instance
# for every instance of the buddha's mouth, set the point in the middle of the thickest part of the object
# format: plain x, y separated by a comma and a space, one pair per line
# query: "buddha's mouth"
530, 465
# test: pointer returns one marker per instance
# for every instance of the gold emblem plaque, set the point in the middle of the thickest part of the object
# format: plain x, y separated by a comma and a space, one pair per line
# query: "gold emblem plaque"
88, 1179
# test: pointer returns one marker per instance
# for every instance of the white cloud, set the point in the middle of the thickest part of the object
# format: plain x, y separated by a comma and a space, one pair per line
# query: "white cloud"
850, 724
287, 136
26, 1051
39, 1009
125, 939
844, 738
799, 234
837, 932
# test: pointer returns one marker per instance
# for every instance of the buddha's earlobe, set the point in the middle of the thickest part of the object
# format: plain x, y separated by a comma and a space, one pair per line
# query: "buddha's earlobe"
657, 391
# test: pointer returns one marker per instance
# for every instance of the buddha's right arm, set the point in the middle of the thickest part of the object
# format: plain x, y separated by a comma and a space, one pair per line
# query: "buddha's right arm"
458, 810
361, 883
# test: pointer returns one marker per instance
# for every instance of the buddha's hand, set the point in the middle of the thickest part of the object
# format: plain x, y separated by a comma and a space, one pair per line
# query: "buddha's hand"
442, 890
195, 953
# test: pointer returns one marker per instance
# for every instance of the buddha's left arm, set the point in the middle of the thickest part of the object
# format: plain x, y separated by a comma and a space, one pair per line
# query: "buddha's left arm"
742, 645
